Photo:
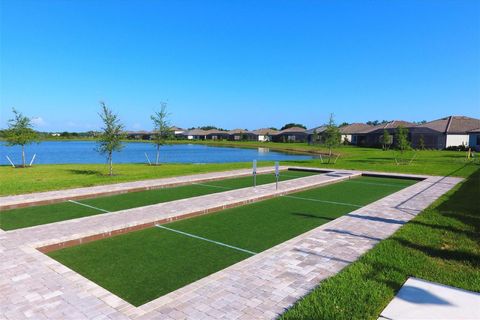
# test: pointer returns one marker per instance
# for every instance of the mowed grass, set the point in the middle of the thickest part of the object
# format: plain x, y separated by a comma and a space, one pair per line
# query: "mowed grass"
37, 215
143, 265
441, 245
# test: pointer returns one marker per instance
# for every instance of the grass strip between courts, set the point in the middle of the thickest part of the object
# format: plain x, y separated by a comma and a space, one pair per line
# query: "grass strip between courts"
205, 239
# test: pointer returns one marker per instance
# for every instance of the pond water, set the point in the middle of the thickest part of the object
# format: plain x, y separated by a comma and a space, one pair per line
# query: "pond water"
57, 152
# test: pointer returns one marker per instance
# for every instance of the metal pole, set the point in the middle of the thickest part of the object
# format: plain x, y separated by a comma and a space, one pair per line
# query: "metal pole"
277, 173
254, 173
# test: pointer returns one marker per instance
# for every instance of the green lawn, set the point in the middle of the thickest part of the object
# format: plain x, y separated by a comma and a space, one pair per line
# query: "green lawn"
441, 245
54, 177
36, 215
143, 265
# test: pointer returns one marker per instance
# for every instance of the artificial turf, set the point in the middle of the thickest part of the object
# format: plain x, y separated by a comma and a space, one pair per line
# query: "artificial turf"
143, 265
37, 215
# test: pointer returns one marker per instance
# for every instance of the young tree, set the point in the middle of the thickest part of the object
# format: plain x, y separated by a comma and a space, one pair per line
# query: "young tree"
110, 139
421, 142
332, 136
315, 137
386, 140
402, 139
20, 132
161, 128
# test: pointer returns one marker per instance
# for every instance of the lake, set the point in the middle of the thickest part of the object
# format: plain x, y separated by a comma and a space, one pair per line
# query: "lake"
57, 152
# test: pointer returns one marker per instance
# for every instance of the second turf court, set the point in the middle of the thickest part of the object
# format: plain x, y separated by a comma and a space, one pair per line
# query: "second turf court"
143, 265
37, 215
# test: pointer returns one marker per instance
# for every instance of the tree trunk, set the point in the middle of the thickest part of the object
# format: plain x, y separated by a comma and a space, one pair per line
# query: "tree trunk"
23, 156
158, 154
329, 155
111, 164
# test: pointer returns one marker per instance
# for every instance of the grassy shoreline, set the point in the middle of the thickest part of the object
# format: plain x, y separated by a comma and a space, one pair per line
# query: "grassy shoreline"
62, 176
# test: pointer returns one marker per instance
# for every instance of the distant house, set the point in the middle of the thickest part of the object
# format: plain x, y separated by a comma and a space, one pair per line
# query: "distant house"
349, 132
177, 132
294, 134
241, 135
372, 137
315, 132
265, 134
214, 134
474, 140
447, 132
195, 134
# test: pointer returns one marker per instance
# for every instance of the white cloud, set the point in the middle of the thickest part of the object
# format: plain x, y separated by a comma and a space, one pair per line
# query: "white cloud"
38, 121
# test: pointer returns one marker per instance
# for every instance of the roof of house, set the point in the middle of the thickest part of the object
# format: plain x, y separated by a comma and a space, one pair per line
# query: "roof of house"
475, 130
265, 131
174, 128
293, 130
452, 124
318, 129
196, 132
238, 131
215, 131
388, 125
355, 128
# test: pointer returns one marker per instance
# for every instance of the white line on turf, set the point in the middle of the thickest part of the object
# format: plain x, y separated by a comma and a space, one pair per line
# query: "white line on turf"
212, 186
324, 201
205, 239
378, 184
86, 205
294, 176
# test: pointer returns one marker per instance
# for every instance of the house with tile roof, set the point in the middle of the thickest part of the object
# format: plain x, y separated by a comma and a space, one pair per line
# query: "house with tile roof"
447, 132
314, 135
241, 135
265, 134
350, 131
215, 134
293, 134
195, 134
372, 136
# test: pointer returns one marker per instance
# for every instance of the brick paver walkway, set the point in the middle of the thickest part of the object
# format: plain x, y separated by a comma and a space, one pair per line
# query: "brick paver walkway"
34, 286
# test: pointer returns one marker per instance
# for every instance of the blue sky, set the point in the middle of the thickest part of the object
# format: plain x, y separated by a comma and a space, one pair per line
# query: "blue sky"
232, 64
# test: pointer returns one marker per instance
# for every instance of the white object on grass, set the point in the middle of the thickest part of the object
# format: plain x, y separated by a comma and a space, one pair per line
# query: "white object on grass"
421, 299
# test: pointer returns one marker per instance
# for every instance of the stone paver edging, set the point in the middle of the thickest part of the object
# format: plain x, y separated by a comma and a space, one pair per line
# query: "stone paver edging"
38, 198
33, 285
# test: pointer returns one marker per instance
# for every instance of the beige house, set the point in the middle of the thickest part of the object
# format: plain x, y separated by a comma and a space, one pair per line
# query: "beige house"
265, 134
